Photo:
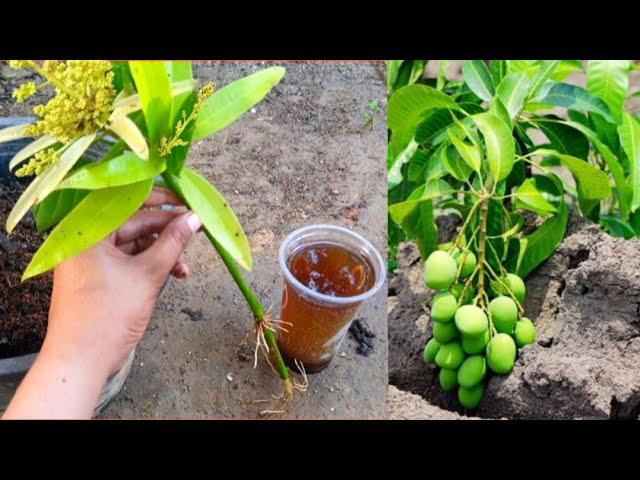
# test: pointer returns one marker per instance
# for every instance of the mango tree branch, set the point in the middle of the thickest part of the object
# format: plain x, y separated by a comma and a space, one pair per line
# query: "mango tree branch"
248, 293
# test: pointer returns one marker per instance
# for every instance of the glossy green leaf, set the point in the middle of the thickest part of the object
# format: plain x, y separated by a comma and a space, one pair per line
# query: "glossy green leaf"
468, 152
123, 170
624, 189
564, 138
434, 123
577, 98
394, 175
541, 244
100, 213
499, 70
179, 71
528, 197
629, 130
226, 105
616, 226
56, 206
216, 215
454, 164
499, 144
431, 190
593, 183
566, 68
512, 92
478, 78
609, 81
406, 109
544, 73
154, 88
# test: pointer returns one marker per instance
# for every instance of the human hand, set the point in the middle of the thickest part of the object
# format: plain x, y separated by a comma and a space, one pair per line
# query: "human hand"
101, 304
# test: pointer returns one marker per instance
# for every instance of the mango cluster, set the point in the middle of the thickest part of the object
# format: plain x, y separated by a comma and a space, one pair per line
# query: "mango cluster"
464, 345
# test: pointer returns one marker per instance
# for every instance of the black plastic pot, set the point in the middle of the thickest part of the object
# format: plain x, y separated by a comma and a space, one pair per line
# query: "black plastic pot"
13, 370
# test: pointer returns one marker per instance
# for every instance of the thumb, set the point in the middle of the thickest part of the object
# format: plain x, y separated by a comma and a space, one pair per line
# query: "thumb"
174, 239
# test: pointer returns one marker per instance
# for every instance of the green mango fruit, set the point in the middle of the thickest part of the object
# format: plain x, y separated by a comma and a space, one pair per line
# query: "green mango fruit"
469, 263
448, 379
501, 353
471, 397
471, 320
445, 332
472, 371
525, 332
443, 307
504, 313
430, 351
440, 270
515, 284
477, 344
450, 356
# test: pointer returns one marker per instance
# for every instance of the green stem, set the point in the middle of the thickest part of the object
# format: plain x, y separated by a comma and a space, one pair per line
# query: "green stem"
248, 293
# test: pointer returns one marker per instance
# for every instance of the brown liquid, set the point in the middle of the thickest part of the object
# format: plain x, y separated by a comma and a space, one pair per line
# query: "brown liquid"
317, 327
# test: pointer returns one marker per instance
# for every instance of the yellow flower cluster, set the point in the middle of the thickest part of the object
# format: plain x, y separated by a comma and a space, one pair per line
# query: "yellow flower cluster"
167, 145
84, 94
24, 91
38, 163
18, 64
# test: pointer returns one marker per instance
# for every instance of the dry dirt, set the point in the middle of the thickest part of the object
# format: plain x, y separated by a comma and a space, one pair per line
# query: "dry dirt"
303, 156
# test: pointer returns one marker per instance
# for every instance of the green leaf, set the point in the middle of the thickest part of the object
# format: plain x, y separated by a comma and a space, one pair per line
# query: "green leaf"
394, 175
512, 92
624, 189
609, 80
478, 78
499, 70
154, 88
617, 227
453, 163
544, 73
564, 138
629, 131
393, 69
56, 206
420, 226
528, 197
434, 123
541, 244
566, 68
577, 98
122, 170
216, 215
406, 109
226, 105
499, 143
469, 153
431, 190
179, 71
593, 183
94, 218
443, 66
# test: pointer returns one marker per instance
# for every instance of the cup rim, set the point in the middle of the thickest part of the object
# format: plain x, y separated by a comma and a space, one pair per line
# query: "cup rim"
321, 296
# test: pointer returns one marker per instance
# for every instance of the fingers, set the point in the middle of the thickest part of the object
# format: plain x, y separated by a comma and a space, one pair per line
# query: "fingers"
180, 270
161, 257
162, 196
143, 224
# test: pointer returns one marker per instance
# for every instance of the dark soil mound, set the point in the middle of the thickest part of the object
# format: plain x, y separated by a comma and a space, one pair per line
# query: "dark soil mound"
24, 307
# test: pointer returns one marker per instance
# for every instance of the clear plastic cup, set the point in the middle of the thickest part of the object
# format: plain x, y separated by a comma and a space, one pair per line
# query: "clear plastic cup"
314, 324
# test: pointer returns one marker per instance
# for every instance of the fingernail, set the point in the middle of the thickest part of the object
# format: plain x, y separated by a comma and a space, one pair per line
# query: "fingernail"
194, 222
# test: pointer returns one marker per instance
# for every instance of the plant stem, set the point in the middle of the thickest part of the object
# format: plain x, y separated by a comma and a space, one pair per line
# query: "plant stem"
248, 293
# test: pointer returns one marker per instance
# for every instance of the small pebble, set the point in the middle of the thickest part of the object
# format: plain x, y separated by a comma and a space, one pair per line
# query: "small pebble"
332, 409
253, 110
229, 377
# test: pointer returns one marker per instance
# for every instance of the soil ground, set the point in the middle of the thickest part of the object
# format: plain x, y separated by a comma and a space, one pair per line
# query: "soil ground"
305, 155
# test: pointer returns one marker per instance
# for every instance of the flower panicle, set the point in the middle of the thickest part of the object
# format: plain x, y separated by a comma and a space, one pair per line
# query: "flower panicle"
38, 163
167, 145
